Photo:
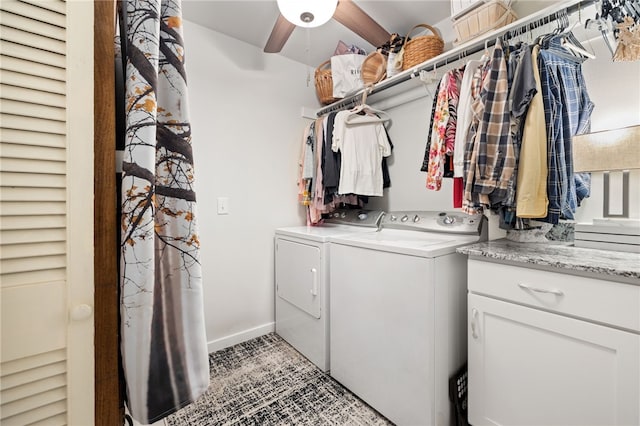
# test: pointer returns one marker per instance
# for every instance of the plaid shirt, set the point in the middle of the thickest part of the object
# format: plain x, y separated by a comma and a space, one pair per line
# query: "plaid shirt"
490, 158
567, 110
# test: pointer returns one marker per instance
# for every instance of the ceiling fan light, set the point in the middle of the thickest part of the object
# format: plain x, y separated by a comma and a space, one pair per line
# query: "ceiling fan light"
307, 13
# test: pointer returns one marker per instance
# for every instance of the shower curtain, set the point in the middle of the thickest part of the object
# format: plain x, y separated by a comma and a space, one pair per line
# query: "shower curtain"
164, 350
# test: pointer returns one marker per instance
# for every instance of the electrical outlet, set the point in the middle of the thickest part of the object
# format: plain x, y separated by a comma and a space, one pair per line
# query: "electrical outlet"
223, 205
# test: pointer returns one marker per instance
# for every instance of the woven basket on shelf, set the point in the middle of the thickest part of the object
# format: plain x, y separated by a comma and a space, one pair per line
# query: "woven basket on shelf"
324, 83
421, 48
479, 20
374, 68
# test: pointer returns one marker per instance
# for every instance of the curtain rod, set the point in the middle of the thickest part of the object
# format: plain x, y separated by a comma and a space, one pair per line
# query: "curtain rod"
521, 26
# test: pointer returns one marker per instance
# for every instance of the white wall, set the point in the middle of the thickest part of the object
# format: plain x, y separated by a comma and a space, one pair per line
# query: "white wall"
245, 111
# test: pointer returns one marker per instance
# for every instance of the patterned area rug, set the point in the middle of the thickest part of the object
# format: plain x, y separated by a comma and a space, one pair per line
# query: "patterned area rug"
265, 381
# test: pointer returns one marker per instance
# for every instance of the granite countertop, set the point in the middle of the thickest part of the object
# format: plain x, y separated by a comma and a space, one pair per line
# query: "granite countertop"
615, 265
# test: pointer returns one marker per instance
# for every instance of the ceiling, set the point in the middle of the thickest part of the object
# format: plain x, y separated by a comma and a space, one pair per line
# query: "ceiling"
252, 21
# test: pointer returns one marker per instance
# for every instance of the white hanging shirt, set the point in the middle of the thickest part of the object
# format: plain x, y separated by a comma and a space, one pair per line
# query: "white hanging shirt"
362, 144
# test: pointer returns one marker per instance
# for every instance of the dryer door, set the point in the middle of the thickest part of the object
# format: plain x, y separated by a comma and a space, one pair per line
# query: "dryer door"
299, 275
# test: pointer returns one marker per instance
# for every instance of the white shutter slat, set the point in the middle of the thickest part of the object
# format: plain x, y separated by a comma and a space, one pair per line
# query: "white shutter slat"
16, 251
32, 152
11, 223
12, 121
55, 6
32, 82
32, 166
32, 54
32, 40
57, 420
33, 401
33, 236
32, 179
32, 194
32, 208
32, 96
33, 388
31, 277
36, 68
34, 26
42, 412
27, 137
28, 363
26, 264
27, 109
28, 10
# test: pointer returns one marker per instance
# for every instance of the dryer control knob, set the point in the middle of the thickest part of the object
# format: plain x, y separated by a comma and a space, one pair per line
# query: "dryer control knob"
448, 220
362, 216
416, 219
405, 218
393, 218
343, 215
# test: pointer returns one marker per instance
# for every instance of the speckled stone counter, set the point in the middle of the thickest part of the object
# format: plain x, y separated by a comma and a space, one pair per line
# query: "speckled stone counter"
617, 266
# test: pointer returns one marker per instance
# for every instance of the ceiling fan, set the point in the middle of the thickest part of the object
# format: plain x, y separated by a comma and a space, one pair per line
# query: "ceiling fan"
346, 12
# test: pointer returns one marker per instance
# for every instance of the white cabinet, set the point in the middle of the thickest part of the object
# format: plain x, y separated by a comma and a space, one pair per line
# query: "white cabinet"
548, 348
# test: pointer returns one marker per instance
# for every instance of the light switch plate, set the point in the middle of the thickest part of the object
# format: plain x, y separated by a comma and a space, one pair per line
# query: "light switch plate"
223, 205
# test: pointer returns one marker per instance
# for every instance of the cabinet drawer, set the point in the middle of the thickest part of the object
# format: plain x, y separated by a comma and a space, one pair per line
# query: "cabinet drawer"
589, 298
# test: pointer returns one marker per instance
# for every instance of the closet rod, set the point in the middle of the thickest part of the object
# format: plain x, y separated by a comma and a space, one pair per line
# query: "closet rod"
521, 26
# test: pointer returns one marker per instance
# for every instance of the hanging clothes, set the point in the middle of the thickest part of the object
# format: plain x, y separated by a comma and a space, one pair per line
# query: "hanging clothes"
531, 191
362, 141
443, 128
468, 92
568, 111
317, 206
305, 167
164, 347
331, 162
522, 88
425, 160
318, 165
490, 156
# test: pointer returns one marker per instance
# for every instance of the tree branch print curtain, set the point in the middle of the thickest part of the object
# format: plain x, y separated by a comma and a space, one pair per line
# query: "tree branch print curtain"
163, 338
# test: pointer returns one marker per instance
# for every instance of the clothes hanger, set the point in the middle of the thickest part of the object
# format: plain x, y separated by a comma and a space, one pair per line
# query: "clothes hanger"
569, 40
372, 115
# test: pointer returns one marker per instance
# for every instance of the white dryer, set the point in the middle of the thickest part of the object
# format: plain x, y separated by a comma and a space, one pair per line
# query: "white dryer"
398, 313
302, 280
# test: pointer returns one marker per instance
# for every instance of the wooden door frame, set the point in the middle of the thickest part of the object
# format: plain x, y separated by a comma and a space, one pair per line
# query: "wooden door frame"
109, 406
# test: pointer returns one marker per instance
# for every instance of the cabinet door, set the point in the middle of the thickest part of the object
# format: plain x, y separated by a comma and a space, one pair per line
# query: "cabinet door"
298, 275
530, 367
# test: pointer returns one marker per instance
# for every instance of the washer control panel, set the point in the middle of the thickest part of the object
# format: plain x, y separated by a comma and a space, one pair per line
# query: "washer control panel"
434, 221
359, 217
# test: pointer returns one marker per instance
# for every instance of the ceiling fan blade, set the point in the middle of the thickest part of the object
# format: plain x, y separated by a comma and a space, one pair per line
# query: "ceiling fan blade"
356, 19
279, 35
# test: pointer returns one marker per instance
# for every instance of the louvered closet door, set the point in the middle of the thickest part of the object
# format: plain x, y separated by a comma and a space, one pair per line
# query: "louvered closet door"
45, 244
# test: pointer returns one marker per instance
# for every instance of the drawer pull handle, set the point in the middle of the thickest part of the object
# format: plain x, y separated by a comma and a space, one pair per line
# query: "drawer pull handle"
314, 282
541, 290
474, 326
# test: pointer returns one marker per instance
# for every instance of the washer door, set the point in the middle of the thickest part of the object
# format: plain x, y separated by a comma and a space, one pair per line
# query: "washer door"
298, 275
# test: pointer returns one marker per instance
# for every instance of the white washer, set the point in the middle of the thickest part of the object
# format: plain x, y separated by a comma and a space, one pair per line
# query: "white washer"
398, 312
302, 280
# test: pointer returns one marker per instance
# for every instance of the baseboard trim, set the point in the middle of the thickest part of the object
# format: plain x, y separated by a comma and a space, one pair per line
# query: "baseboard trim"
242, 336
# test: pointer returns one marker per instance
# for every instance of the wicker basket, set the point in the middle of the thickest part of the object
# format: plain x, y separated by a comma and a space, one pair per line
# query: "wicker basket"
324, 83
421, 48
482, 19
374, 68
